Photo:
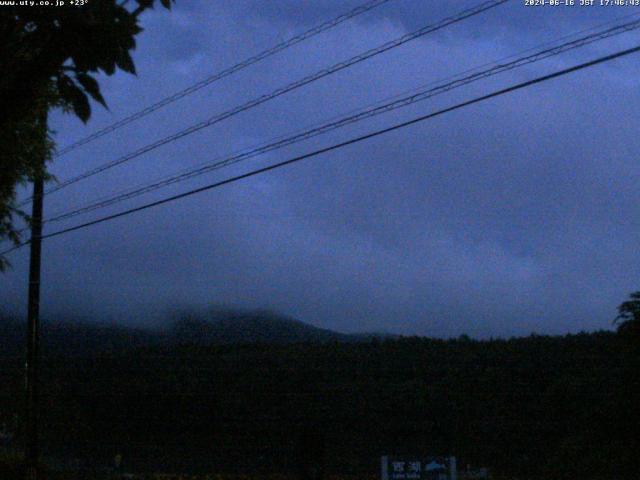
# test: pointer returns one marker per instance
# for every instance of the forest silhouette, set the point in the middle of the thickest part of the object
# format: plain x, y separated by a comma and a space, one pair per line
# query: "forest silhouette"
533, 407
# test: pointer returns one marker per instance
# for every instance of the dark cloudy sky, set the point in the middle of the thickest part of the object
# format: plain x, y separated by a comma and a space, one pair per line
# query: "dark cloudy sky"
516, 215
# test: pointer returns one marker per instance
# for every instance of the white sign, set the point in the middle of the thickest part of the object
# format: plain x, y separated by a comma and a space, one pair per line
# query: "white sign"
426, 468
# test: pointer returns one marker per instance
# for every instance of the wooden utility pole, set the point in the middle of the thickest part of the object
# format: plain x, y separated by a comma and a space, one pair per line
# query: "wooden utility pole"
31, 452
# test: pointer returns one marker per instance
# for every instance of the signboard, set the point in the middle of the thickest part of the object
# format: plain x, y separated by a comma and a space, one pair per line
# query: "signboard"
413, 468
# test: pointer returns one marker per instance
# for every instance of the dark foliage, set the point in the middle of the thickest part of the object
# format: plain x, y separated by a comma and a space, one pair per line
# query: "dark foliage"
536, 407
49, 57
628, 318
68, 45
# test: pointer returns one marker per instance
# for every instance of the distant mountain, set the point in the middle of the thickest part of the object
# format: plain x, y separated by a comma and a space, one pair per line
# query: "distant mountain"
212, 327
75, 337
228, 327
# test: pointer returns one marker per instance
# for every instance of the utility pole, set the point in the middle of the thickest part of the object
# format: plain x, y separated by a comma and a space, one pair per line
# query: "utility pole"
31, 452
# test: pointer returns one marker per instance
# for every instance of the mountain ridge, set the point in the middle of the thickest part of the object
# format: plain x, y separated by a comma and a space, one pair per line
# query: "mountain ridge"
212, 327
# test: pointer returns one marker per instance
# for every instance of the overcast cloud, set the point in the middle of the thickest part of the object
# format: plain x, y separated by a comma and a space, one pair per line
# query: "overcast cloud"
516, 215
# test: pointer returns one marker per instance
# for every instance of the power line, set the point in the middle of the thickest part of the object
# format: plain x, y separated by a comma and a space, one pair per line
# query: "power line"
413, 91
337, 146
368, 113
470, 12
224, 73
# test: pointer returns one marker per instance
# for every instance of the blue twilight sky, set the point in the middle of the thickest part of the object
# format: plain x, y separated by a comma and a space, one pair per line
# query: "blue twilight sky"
516, 215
